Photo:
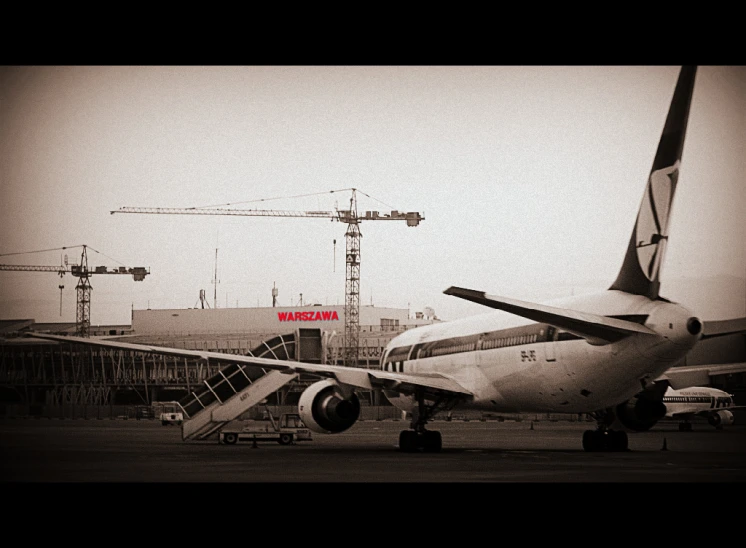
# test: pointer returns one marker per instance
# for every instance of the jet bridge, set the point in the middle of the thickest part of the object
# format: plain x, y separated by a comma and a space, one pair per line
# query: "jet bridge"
237, 387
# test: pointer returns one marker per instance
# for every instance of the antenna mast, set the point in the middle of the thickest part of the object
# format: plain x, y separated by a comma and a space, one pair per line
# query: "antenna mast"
215, 281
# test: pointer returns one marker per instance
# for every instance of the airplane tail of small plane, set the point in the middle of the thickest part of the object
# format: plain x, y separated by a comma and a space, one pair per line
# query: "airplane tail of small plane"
641, 267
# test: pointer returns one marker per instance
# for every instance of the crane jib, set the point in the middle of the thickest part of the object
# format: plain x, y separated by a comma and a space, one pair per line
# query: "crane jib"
348, 216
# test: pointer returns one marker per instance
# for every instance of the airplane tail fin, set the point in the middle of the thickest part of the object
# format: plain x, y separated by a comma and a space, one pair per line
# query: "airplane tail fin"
641, 266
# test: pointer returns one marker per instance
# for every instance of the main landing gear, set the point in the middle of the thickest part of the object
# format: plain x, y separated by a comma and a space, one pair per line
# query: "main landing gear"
411, 441
604, 438
418, 438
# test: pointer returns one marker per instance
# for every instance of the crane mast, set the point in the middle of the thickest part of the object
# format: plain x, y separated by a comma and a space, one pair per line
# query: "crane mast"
352, 237
352, 287
83, 287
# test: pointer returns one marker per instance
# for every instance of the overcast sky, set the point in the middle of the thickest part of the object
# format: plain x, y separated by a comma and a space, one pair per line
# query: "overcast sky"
529, 179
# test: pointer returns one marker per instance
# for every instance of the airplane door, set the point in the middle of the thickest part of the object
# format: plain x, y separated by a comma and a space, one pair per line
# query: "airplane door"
549, 350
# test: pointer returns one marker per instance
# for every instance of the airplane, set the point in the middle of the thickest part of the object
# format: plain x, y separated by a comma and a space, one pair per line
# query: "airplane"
604, 354
700, 401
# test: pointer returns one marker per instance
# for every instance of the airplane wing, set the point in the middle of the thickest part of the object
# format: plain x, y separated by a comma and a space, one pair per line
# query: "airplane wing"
433, 385
597, 330
682, 415
719, 328
698, 375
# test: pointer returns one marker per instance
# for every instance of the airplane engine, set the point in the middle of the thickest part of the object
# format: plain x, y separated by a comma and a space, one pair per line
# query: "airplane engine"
723, 417
640, 414
326, 409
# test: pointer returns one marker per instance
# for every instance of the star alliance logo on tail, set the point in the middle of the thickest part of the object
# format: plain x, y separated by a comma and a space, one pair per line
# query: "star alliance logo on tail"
652, 223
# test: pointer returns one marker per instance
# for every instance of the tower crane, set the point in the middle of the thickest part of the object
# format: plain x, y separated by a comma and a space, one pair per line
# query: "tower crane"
352, 236
83, 288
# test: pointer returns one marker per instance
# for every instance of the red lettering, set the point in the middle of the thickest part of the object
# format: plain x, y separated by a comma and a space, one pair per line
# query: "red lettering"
308, 316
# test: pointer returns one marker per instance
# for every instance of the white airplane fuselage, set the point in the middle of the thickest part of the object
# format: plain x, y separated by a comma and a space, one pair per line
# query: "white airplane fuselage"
509, 365
696, 400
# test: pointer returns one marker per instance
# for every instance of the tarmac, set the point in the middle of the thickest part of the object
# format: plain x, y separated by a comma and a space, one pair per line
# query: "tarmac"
133, 451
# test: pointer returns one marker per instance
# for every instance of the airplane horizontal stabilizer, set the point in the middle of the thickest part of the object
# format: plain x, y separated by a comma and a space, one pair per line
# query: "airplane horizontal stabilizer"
684, 376
597, 330
720, 328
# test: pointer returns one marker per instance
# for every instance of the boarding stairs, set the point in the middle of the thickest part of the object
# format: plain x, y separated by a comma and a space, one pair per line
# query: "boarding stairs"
236, 388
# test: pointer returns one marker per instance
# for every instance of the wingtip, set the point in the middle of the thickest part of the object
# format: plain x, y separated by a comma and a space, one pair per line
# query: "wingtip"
464, 293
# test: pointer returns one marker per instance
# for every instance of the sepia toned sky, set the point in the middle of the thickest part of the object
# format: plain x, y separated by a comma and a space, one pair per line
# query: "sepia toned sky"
529, 179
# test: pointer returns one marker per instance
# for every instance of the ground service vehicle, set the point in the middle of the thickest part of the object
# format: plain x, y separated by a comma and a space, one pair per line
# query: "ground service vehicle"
288, 429
169, 413
168, 419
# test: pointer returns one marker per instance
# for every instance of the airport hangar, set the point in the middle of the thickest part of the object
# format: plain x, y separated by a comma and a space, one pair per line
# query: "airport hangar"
38, 375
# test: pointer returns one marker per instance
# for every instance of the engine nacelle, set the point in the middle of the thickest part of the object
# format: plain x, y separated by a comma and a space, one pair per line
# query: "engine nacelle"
325, 409
722, 417
640, 414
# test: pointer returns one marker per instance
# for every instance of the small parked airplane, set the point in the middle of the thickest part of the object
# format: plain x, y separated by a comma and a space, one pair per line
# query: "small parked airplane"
700, 401
603, 354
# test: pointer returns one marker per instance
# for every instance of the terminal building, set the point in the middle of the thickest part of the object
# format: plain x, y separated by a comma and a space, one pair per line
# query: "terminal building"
46, 373
272, 320
239, 330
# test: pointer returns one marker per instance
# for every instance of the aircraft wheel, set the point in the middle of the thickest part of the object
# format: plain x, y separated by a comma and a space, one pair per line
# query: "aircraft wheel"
286, 439
432, 441
589, 440
605, 440
230, 439
407, 441
619, 440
